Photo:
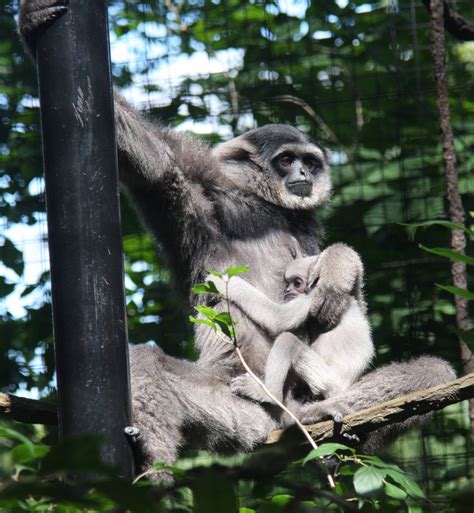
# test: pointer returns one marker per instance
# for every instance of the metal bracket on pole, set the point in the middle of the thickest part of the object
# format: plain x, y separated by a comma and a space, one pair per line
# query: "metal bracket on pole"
80, 160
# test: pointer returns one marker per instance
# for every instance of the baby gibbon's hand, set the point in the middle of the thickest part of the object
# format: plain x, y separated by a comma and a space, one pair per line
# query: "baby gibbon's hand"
334, 278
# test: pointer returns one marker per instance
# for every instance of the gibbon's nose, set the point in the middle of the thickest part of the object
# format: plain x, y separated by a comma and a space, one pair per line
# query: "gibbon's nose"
298, 175
303, 172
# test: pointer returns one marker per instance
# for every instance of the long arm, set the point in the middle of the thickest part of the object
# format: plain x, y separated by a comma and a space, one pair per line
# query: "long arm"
275, 318
168, 175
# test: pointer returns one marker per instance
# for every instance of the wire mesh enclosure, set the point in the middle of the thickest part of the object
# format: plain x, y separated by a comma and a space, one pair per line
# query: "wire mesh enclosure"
356, 75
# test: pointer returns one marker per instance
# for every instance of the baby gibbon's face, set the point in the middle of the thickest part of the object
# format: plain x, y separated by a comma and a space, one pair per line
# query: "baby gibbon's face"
295, 285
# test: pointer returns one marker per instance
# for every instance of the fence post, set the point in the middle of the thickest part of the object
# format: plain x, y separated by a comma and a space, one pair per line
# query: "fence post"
80, 161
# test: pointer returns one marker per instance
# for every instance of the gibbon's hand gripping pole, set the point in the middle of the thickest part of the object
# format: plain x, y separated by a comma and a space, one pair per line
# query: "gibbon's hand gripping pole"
80, 161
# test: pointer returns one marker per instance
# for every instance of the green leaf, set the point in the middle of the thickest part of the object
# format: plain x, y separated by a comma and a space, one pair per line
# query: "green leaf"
234, 271
76, 454
200, 288
211, 287
224, 317
412, 227
208, 287
215, 273
455, 256
24, 453
413, 508
225, 328
395, 492
457, 291
161, 465
368, 480
282, 499
348, 470
377, 462
326, 450
214, 492
207, 311
11, 434
407, 483
206, 322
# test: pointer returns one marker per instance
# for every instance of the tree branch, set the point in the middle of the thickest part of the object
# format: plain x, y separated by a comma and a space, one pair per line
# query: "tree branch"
363, 421
454, 23
396, 410
29, 411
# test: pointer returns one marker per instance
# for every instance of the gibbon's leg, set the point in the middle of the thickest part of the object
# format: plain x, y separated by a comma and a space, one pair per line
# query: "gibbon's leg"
286, 349
388, 382
175, 402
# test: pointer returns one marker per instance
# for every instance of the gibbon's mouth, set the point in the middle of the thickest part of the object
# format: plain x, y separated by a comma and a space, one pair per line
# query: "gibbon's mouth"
302, 188
289, 296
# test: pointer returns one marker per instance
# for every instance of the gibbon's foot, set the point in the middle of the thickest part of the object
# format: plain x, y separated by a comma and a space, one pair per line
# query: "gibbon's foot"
245, 386
319, 411
35, 15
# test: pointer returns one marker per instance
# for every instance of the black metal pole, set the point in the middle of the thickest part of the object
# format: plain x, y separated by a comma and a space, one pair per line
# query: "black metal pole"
80, 162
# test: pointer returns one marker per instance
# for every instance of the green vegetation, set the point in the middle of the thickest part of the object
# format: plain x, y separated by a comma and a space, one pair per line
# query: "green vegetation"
355, 74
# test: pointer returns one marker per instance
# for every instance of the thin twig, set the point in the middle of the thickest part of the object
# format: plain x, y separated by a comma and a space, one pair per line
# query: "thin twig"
267, 391
396, 410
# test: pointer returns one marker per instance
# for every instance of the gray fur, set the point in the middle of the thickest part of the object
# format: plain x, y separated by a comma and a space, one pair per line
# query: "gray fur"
333, 360
211, 209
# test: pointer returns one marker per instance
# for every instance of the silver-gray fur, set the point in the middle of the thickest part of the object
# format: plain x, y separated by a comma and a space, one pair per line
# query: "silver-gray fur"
211, 209
327, 361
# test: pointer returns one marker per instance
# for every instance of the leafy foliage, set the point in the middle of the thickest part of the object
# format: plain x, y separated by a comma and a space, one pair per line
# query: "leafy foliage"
356, 75
70, 477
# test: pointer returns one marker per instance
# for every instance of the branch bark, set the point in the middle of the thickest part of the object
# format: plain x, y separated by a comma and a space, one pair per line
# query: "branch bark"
396, 410
29, 411
454, 23
363, 421
456, 209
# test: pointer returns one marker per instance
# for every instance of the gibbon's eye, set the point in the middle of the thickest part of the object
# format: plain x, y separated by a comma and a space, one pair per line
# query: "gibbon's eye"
312, 163
299, 284
286, 160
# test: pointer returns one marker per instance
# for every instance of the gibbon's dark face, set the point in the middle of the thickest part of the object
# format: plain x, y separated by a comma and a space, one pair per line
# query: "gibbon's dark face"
280, 164
298, 165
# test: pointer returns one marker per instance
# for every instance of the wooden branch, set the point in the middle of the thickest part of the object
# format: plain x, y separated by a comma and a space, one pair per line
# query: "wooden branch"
29, 411
396, 410
454, 23
363, 421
